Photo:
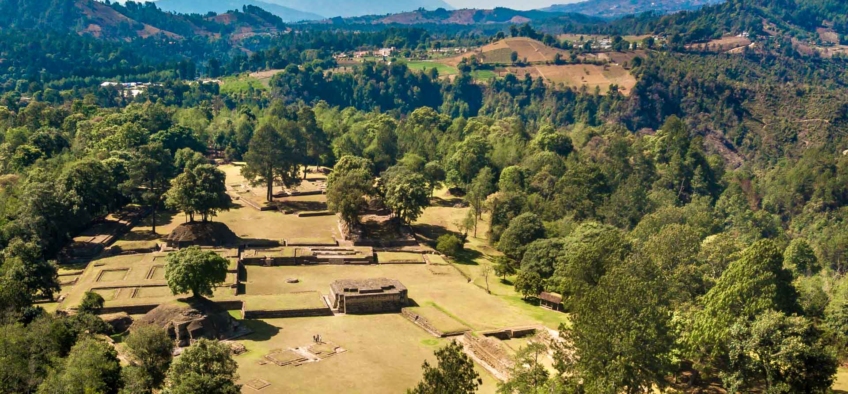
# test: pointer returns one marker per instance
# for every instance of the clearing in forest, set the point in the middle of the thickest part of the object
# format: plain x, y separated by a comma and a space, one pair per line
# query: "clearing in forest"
578, 75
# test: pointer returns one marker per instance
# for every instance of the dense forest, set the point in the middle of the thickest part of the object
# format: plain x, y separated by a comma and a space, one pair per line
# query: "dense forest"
697, 227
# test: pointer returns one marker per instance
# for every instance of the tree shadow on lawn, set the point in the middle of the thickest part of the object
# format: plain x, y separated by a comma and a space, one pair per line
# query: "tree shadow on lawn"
259, 242
262, 331
163, 218
302, 206
431, 232
447, 203
136, 236
467, 257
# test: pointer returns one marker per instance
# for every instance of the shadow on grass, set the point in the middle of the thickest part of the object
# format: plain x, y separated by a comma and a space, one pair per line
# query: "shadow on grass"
163, 218
430, 232
467, 257
259, 242
507, 282
447, 203
138, 236
262, 331
302, 206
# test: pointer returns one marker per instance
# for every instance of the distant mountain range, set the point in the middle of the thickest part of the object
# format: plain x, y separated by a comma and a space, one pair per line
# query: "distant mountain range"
126, 22
455, 17
296, 10
618, 8
221, 6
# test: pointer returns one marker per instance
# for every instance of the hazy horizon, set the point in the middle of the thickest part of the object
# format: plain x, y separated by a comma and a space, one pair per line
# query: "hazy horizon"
514, 4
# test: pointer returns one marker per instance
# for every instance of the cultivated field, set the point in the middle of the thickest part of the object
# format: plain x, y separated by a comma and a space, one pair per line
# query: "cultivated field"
443, 69
532, 50
723, 44
578, 75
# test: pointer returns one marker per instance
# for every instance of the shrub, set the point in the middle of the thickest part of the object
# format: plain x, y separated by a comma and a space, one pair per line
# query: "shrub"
449, 244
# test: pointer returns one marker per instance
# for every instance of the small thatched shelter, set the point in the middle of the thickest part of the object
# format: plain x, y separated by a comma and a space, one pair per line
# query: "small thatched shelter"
552, 301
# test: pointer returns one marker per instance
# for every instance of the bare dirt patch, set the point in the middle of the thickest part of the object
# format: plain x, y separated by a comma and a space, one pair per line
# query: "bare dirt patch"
579, 75
723, 44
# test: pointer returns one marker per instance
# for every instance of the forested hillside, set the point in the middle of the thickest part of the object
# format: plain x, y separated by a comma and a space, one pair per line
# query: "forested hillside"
694, 227
618, 8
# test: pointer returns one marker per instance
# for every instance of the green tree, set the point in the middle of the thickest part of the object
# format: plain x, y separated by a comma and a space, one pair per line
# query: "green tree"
205, 367
382, 150
188, 159
590, 252
675, 250
90, 180
755, 283
482, 186
407, 196
621, 335
454, 373
528, 284
151, 349
348, 186
504, 266
800, 257
541, 256
522, 230
22, 263
449, 244
528, 375
781, 354
512, 179
91, 303
470, 157
274, 155
549, 140
435, 175
150, 171
178, 137
195, 270
317, 146
201, 191
136, 380
92, 366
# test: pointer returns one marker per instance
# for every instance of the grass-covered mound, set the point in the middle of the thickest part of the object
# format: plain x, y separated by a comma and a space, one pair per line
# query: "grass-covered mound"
202, 234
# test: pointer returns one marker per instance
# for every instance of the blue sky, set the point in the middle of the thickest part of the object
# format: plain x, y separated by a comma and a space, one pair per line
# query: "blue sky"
515, 4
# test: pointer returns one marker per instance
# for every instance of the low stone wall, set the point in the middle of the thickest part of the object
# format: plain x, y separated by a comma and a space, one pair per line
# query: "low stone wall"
422, 322
509, 333
490, 351
140, 309
279, 314
314, 213
376, 243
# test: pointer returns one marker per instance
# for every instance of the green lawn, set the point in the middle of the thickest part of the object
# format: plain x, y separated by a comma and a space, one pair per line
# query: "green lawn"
484, 75
443, 69
439, 319
383, 354
241, 84
291, 301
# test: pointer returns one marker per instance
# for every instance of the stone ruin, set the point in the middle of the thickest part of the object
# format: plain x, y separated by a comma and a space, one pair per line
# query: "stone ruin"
314, 352
490, 352
364, 296
189, 321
